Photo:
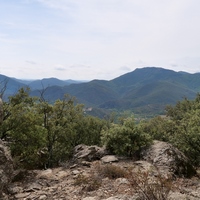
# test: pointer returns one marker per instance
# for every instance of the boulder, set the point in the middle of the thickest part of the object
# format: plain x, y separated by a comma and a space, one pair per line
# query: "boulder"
168, 159
6, 167
88, 153
109, 159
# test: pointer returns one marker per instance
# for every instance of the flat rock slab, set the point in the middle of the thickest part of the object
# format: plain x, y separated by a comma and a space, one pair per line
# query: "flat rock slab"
109, 159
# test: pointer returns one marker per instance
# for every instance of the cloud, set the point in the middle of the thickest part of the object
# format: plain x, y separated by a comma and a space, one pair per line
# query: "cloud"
125, 68
99, 38
60, 68
60, 5
80, 66
31, 62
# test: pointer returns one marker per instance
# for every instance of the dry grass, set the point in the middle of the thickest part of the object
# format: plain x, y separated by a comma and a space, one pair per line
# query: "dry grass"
88, 183
150, 187
111, 171
145, 184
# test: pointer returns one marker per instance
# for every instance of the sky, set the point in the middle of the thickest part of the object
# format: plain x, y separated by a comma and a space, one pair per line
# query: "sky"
97, 39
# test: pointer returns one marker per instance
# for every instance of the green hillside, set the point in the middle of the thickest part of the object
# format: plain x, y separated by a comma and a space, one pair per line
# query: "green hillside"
147, 89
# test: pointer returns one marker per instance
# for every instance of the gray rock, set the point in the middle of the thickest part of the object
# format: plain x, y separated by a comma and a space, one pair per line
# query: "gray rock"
22, 195
109, 159
88, 153
122, 197
43, 197
15, 190
90, 198
168, 159
33, 187
75, 172
6, 167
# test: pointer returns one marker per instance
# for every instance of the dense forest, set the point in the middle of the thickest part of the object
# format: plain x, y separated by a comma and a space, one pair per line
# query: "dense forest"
42, 135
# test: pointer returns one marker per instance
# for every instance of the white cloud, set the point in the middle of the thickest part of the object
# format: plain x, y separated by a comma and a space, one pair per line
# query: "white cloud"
96, 38
31, 62
125, 68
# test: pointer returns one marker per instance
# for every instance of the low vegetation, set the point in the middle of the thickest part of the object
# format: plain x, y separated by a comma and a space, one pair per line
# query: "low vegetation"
143, 183
150, 188
42, 135
88, 183
125, 138
111, 171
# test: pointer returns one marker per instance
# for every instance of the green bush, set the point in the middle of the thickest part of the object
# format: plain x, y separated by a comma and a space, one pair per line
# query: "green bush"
186, 117
125, 139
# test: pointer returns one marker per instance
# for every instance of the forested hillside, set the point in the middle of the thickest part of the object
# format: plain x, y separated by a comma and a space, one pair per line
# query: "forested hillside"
142, 91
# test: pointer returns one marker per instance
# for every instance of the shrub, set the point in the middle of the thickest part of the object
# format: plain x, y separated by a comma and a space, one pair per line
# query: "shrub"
111, 171
149, 187
125, 139
88, 183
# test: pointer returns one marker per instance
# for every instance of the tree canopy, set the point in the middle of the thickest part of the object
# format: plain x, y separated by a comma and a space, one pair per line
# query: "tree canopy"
41, 134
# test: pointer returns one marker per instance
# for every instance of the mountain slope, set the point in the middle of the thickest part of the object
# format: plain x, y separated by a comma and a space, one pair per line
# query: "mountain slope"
146, 89
10, 85
48, 82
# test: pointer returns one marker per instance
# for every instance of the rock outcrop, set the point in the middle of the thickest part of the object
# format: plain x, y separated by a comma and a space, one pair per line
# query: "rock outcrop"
86, 183
168, 159
88, 153
102, 178
6, 167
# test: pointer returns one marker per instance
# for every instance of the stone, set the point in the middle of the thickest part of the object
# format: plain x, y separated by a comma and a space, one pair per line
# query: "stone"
88, 153
168, 159
121, 197
22, 195
75, 172
46, 174
6, 167
15, 189
43, 197
62, 174
109, 159
33, 187
90, 198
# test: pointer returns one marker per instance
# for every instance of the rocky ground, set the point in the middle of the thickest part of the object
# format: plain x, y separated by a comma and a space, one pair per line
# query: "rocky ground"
162, 173
88, 181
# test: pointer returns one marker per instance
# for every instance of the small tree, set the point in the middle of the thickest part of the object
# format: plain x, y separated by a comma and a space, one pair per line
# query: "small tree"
21, 127
89, 130
186, 117
125, 139
159, 128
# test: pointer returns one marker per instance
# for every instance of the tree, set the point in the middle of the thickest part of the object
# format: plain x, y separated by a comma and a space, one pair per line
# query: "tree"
89, 130
125, 138
3, 86
60, 121
21, 127
159, 128
186, 116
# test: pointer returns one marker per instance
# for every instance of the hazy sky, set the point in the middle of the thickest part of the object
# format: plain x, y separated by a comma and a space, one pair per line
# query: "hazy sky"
97, 39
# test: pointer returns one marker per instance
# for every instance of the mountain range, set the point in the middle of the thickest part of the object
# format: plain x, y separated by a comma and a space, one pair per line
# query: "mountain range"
144, 90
